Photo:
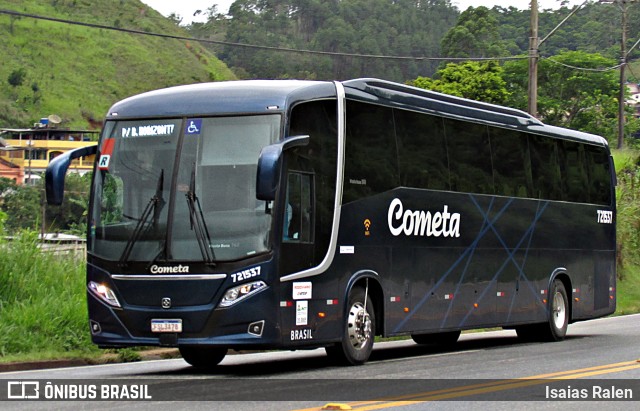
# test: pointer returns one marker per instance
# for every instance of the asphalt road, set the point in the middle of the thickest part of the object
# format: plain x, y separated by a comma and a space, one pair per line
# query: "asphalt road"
477, 373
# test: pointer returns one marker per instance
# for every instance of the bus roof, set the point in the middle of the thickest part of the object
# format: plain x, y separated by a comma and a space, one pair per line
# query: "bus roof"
412, 98
264, 96
226, 97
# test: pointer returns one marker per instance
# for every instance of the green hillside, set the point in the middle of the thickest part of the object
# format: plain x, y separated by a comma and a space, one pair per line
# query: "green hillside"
77, 72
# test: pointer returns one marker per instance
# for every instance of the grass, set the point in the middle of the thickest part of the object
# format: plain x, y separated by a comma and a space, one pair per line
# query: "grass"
79, 72
42, 304
629, 291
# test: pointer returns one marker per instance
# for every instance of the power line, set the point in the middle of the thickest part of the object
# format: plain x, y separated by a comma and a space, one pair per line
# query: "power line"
583, 68
292, 50
254, 46
632, 73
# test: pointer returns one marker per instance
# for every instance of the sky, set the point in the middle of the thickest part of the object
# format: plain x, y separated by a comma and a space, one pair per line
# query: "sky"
186, 8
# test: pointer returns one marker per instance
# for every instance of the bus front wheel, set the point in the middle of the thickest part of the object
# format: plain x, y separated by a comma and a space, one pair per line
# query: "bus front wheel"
358, 331
202, 357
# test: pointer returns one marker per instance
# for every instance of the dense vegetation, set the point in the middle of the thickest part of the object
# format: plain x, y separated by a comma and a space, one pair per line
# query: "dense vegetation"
26, 208
42, 303
584, 98
420, 29
77, 72
375, 27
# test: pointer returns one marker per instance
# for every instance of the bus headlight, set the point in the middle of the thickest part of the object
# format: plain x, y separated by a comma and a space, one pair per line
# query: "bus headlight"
239, 293
104, 293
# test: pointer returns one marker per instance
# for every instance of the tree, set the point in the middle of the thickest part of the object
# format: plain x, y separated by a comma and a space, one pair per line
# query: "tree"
474, 35
23, 205
573, 92
6, 184
481, 81
375, 27
175, 18
72, 214
16, 78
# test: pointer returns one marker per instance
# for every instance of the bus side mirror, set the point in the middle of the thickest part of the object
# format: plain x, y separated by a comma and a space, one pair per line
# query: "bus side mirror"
56, 170
269, 164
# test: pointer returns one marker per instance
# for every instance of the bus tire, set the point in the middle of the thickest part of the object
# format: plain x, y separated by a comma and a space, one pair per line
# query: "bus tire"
555, 329
442, 339
202, 357
358, 331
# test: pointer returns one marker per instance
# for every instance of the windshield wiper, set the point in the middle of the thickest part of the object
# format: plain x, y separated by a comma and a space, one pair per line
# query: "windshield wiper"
161, 252
155, 205
197, 221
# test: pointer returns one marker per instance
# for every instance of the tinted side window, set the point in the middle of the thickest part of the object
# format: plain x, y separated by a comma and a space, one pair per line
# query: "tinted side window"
512, 168
547, 181
422, 150
372, 167
574, 173
469, 151
315, 165
299, 212
599, 175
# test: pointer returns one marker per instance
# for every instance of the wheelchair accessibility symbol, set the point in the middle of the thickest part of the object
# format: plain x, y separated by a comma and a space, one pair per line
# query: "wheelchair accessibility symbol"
193, 126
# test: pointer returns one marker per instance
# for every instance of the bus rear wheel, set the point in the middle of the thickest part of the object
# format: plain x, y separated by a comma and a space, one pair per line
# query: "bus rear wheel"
558, 313
555, 329
202, 357
358, 331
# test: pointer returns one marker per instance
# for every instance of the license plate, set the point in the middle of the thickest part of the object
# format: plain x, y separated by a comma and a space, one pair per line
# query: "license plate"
166, 326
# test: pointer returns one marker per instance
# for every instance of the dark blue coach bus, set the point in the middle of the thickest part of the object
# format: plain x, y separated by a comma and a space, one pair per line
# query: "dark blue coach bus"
300, 214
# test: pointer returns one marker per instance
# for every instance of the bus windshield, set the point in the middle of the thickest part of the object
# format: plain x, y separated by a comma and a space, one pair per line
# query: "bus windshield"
148, 207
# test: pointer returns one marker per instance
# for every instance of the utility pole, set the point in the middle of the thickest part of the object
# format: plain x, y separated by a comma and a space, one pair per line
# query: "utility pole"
533, 60
623, 80
622, 4
534, 54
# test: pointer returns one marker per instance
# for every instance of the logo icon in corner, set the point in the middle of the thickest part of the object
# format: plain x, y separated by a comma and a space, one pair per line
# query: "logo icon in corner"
23, 390
367, 225
166, 303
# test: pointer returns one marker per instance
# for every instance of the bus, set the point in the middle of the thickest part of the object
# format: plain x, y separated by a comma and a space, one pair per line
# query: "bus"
291, 214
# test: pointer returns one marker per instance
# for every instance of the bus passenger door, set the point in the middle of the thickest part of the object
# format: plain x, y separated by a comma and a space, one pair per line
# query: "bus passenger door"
298, 223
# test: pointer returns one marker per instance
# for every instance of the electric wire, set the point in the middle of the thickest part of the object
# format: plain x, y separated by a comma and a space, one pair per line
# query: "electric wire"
254, 46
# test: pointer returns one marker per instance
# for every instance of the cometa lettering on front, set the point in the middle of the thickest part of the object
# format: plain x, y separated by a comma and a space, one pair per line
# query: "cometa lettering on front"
422, 223
169, 270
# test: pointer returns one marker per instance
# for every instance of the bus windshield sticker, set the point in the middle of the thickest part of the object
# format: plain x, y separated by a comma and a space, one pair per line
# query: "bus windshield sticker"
193, 126
302, 312
105, 154
302, 290
148, 130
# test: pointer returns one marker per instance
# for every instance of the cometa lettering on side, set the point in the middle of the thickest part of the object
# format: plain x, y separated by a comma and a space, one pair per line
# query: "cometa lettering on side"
421, 223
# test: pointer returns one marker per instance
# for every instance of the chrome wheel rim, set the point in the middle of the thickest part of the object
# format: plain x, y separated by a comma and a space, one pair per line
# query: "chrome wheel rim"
559, 310
358, 326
